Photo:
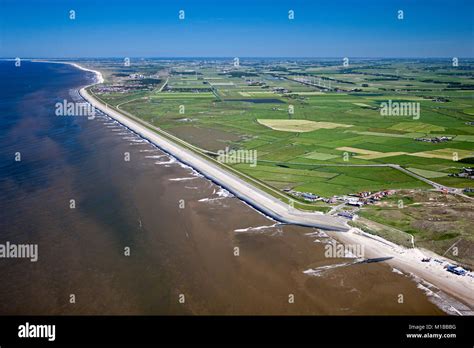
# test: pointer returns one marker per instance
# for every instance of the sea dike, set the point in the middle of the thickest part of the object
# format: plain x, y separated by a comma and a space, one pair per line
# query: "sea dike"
250, 194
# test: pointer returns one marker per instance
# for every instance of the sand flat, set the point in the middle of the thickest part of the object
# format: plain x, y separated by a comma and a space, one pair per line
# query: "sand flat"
381, 155
299, 125
447, 154
356, 150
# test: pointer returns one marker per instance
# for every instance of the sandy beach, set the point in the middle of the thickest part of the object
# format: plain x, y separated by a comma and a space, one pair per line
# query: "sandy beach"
409, 262
405, 260
99, 78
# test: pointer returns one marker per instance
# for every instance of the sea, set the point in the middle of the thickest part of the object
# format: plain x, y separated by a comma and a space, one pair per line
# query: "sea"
122, 228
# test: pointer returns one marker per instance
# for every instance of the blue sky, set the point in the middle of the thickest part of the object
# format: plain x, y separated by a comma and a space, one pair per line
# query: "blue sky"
236, 28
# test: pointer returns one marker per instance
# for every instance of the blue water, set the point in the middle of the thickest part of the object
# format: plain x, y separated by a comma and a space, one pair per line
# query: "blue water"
28, 124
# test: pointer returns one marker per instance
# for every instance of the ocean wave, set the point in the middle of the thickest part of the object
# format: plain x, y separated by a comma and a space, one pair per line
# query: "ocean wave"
182, 179
154, 156
258, 228
222, 192
439, 298
325, 241
319, 271
171, 160
394, 270
210, 199
319, 234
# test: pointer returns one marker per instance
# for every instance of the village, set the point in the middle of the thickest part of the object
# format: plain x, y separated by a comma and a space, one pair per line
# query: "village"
130, 83
435, 140
467, 173
356, 200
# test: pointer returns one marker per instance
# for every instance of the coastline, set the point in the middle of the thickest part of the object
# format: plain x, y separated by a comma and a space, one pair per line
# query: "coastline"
407, 260
255, 197
98, 74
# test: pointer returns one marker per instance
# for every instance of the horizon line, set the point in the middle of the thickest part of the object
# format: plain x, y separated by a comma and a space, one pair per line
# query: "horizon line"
231, 57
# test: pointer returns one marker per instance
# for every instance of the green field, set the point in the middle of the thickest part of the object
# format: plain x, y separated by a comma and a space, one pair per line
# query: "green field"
335, 118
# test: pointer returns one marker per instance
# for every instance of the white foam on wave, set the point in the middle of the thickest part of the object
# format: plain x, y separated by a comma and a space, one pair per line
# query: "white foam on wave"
258, 228
221, 193
183, 165
170, 160
349, 255
210, 199
183, 179
324, 241
447, 303
394, 270
154, 156
195, 173
426, 290
318, 233
319, 271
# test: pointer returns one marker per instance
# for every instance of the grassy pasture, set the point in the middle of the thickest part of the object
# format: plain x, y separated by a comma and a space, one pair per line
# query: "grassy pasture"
324, 120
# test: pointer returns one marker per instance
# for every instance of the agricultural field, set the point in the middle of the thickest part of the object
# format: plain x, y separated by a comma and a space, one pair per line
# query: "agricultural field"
317, 126
298, 126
